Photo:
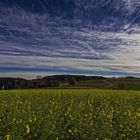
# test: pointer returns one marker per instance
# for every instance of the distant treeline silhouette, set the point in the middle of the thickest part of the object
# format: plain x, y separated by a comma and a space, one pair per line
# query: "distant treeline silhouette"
71, 81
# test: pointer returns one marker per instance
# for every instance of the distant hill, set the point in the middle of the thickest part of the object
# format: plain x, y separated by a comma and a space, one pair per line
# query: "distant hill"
72, 81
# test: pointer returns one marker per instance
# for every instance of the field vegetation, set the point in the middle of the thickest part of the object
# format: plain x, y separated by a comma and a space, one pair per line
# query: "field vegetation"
69, 115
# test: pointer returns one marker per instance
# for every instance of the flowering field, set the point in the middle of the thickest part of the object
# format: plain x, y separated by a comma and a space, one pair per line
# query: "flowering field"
69, 115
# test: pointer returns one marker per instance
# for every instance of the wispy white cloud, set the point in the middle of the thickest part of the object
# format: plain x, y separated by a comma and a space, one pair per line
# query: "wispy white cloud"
37, 43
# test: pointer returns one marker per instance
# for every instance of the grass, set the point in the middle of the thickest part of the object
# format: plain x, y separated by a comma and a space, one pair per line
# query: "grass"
125, 84
69, 115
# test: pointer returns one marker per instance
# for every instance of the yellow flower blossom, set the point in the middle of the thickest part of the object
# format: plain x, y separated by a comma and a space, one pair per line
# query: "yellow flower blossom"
7, 137
138, 114
27, 128
129, 113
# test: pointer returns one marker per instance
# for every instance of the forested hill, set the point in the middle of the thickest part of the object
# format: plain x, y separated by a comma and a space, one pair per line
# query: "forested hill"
71, 81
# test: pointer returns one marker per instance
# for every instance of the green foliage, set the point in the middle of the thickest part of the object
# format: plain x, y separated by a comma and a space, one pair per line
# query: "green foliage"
69, 115
71, 81
121, 85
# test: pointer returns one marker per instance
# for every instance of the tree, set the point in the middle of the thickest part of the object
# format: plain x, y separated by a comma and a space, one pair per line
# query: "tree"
71, 81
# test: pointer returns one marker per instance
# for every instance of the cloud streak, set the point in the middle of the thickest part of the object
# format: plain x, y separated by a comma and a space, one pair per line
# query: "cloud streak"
32, 43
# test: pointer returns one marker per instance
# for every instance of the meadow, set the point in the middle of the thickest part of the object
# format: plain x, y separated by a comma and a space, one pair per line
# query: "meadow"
69, 114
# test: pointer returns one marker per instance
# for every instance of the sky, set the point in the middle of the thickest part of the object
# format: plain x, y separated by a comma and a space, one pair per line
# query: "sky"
69, 37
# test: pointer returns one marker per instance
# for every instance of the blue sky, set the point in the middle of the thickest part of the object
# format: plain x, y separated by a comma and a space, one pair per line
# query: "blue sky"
38, 44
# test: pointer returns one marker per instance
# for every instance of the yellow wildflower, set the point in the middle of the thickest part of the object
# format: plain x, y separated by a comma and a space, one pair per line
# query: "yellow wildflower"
27, 128
7, 137
129, 113
138, 114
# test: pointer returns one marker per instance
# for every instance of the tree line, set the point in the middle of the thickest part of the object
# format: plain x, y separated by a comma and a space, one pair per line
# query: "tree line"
69, 81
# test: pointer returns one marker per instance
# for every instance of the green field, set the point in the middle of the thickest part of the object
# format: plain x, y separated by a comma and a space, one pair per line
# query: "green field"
69, 115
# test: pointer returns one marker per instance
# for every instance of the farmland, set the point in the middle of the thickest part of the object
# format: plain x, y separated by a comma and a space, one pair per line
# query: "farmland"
72, 81
68, 114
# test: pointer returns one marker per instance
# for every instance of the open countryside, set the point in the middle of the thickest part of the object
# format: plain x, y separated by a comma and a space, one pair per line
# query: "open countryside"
69, 114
